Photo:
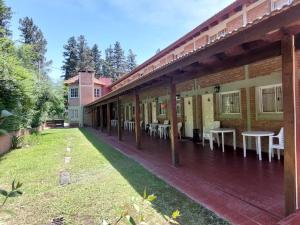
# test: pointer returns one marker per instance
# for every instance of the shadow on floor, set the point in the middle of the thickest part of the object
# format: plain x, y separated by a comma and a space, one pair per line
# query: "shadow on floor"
168, 198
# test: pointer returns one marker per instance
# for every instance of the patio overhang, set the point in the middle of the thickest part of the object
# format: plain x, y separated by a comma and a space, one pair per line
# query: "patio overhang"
254, 42
276, 34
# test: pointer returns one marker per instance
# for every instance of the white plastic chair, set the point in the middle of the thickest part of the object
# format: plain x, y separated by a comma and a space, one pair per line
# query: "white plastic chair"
206, 132
153, 128
279, 146
179, 127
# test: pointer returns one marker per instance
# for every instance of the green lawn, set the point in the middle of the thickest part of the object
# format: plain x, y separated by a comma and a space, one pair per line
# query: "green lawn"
103, 183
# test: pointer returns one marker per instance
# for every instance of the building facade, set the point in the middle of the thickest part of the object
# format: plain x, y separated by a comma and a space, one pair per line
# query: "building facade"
82, 90
241, 67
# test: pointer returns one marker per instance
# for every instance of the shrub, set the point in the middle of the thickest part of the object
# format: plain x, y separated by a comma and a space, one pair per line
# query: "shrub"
17, 142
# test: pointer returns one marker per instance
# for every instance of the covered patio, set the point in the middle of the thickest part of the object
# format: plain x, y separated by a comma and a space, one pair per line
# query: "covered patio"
243, 191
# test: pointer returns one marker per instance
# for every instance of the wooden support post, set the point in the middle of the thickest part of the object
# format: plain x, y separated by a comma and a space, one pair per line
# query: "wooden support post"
173, 120
137, 121
119, 120
290, 87
108, 119
101, 118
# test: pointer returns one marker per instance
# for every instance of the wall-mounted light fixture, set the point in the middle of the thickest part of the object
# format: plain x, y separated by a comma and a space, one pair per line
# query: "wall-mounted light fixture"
217, 89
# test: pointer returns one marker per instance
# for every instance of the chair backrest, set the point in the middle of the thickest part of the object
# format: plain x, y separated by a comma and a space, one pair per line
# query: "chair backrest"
179, 126
166, 122
214, 125
281, 137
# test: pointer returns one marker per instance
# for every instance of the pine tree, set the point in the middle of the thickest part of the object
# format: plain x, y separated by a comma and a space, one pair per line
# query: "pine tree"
32, 35
131, 61
97, 60
70, 58
5, 16
85, 57
108, 70
118, 62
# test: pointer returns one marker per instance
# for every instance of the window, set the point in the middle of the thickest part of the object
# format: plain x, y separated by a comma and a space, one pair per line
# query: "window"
74, 92
178, 105
163, 108
230, 102
97, 92
270, 99
278, 4
73, 114
218, 35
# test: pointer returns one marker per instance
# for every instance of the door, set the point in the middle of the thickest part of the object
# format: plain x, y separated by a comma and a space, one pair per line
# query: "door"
207, 109
188, 116
146, 113
153, 105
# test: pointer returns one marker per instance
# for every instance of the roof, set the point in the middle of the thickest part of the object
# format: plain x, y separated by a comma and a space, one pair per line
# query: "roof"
285, 15
104, 81
233, 6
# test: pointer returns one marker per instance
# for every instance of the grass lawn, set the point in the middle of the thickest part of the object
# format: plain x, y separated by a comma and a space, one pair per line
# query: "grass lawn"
103, 183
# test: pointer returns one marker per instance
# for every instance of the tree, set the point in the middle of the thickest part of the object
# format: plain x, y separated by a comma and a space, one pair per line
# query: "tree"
108, 70
33, 35
97, 60
118, 60
85, 58
5, 16
131, 61
70, 58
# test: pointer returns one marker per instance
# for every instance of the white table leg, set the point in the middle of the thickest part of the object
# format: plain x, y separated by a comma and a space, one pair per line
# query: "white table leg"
218, 139
270, 150
259, 147
244, 145
211, 141
223, 142
234, 140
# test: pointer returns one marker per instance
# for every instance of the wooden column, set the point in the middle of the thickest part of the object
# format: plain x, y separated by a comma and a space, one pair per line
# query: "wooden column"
173, 121
290, 87
108, 119
137, 121
101, 118
119, 120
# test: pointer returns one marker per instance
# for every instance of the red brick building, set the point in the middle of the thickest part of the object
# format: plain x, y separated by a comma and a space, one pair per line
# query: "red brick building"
83, 89
240, 67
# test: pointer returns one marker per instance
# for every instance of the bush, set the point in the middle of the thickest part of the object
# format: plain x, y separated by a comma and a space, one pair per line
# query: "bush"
17, 142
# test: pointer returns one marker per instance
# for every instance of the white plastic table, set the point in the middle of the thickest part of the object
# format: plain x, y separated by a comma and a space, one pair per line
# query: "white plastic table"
163, 130
114, 123
258, 135
131, 125
222, 131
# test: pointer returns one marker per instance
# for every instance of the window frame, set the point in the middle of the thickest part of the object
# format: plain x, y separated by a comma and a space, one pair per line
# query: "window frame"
221, 102
97, 92
260, 102
74, 88
73, 114
159, 108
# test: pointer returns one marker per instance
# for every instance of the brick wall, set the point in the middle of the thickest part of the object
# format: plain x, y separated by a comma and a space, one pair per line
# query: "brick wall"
223, 77
188, 48
86, 87
234, 24
258, 11
201, 41
265, 67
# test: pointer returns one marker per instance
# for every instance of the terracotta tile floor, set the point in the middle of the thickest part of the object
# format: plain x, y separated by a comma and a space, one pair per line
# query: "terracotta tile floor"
242, 191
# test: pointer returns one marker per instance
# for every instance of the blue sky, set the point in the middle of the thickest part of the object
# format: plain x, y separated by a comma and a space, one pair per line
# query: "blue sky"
142, 25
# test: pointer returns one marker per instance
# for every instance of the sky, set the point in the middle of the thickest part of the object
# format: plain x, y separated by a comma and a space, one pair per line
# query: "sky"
141, 25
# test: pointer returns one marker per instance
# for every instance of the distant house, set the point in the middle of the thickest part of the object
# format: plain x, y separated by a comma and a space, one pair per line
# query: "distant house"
83, 89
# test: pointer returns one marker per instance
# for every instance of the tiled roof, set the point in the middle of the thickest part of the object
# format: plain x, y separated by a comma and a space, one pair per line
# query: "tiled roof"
101, 81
